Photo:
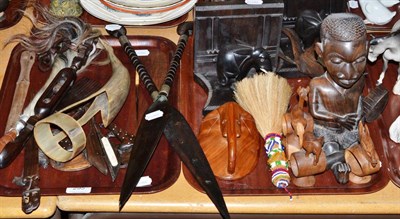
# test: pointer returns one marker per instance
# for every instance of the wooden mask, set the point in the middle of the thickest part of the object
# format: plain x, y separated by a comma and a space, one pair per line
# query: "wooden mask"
230, 140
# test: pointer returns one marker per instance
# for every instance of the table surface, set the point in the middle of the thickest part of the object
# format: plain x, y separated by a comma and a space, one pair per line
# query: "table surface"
182, 197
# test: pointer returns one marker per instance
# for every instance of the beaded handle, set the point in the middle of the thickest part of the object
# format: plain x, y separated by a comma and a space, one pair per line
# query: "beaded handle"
184, 30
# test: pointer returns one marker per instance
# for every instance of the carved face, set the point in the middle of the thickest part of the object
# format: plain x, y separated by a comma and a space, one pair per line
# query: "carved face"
344, 61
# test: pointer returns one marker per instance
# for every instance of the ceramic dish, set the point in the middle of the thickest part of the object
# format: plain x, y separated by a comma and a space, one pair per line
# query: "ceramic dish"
135, 10
144, 3
99, 10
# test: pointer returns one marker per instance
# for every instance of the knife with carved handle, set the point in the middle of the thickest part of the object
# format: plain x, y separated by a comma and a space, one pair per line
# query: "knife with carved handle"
47, 102
21, 89
43, 108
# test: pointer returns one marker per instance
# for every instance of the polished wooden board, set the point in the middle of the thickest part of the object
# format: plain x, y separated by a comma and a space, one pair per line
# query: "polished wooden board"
258, 182
96, 21
164, 167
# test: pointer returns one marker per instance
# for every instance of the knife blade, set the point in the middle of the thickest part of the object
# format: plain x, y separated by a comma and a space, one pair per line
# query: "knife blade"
145, 149
95, 154
181, 138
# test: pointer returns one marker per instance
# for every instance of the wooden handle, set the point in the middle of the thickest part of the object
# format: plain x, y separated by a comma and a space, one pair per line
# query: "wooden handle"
7, 137
184, 30
119, 32
143, 74
13, 148
54, 92
26, 61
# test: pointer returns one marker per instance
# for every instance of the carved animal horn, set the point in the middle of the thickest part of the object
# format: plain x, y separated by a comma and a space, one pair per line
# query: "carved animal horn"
109, 100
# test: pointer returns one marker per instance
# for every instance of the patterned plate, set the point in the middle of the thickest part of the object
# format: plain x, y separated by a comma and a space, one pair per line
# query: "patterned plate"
145, 3
101, 11
136, 10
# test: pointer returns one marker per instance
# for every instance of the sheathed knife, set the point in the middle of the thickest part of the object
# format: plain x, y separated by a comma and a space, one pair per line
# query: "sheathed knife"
31, 194
160, 118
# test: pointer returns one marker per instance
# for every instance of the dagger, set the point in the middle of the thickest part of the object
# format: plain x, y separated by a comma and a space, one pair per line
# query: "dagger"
160, 118
27, 60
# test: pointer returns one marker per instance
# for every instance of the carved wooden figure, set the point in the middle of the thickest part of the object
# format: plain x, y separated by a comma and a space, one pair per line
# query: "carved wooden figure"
235, 61
335, 98
367, 144
300, 142
362, 158
389, 48
304, 166
230, 141
305, 59
313, 145
297, 121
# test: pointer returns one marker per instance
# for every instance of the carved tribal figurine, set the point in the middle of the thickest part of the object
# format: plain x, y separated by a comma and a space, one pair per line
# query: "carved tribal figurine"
336, 96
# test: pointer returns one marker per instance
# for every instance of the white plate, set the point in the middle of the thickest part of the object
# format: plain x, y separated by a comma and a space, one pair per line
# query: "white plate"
97, 9
145, 3
136, 10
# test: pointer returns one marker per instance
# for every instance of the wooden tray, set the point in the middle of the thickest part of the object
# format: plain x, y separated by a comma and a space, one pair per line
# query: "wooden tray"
391, 112
164, 167
258, 182
13, 13
96, 21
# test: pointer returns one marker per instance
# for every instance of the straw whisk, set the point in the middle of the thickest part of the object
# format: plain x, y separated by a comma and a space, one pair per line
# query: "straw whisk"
266, 97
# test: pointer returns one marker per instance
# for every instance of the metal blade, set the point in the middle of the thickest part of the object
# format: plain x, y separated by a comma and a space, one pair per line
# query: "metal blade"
95, 154
180, 136
109, 154
147, 138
